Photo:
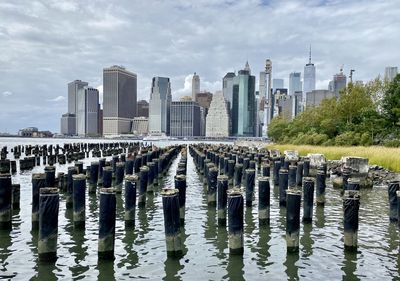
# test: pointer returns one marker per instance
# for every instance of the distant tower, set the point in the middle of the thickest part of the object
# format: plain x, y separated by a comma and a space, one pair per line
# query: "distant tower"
195, 86
309, 78
267, 97
247, 67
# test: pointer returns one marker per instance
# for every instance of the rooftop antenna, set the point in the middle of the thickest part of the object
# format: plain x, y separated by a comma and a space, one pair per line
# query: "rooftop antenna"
309, 59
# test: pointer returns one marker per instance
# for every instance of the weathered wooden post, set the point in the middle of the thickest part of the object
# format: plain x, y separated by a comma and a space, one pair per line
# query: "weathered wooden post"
79, 200
351, 205
130, 199
293, 220
170, 199
222, 188
5, 202
235, 221
308, 199
107, 224
38, 182
263, 200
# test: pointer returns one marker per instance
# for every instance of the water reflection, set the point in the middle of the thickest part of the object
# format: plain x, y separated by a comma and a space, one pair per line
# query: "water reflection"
131, 260
248, 219
235, 268
171, 268
222, 242
79, 251
349, 265
320, 217
5, 243
106, 270
263, 246
291, 268
46, 271
210, 227
306, 240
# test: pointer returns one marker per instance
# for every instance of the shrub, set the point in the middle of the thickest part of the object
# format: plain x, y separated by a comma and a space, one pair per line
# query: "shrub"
392, 143
347, 139
366, 139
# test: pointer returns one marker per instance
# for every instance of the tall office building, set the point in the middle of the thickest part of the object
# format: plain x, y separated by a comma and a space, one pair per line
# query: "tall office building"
87, 112
244, 108
227, 87
295, 84
390, 73
159, 105
142, 108
68, 124
217, 121
277, 83
185, 119
195, 85
309, 78
315, 97
338, 82
265, 92
204, 99
73, 88
119, 100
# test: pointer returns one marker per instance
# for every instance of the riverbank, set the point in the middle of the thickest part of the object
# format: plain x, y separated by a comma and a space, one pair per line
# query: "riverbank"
386, 157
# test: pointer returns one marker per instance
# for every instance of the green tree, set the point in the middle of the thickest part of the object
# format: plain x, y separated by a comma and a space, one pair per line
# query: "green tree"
391, 103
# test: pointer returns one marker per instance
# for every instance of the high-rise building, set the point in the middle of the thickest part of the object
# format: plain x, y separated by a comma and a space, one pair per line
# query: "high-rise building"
73, 88
244, 108
217, 121
140, 126
265, 92
142, 108
309, 78
119, 100
204, 99
277, 83
100, 121
339, 82
295, 84
68, 124
195, 85
227, 87
185, 119
315, 97
390, 73
87, 112
159, 105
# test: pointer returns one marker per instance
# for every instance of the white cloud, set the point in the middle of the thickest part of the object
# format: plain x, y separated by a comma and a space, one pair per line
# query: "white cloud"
57, 99
7, 94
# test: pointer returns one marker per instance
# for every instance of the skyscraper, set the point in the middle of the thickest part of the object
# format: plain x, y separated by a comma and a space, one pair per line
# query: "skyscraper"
195, 85
142, 108
266, 93
119, 100
277, 83
159, 105
73, 88
227, 87
294, 83
68, 124
244, 108
390, 73
309, 78
217, 121
87, 112
339, 82
185, 119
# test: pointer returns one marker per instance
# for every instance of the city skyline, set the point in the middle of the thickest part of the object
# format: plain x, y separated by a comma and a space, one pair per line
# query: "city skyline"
45, 46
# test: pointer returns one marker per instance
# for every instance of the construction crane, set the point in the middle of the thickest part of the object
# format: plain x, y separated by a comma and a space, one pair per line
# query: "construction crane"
351, 75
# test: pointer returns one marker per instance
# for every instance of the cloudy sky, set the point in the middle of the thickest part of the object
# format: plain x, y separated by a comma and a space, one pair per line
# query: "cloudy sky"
44, 44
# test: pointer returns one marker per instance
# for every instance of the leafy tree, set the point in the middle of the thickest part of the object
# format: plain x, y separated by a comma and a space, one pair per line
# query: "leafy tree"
391, 103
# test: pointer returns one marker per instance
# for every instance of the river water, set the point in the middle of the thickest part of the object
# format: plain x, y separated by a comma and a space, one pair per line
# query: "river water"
141, 253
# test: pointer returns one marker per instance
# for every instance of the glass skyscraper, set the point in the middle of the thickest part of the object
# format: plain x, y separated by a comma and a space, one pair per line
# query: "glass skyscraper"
159, 106
244, 107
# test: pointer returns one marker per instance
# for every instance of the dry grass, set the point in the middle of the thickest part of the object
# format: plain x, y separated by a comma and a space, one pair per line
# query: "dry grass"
383, 156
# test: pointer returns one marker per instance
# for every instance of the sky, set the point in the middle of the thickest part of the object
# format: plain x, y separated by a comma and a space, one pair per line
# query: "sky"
44, 44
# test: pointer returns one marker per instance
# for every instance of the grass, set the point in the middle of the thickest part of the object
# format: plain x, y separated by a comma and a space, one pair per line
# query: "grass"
387, 157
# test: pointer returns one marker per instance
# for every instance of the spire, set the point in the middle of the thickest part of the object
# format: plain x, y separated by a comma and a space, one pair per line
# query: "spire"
309, 59
247, 66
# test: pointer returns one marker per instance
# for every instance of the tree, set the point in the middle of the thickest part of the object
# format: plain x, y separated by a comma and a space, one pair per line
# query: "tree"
391, 103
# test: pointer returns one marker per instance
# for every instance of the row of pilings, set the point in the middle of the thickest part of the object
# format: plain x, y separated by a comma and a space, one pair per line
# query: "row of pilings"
229, 175
134, 170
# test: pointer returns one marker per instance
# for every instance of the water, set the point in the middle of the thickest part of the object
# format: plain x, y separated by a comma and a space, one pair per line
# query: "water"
141, 253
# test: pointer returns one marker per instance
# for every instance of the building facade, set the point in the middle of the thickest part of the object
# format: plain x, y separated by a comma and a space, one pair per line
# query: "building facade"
87, 114
295, 84
390, 73
204, 99
73, 89
159, 106
244, 108
142, 108
119, 100
227, 87
314, 98
195, 85
140, 126
309, 78
185, 119
217, 120
339, 82
68, 124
